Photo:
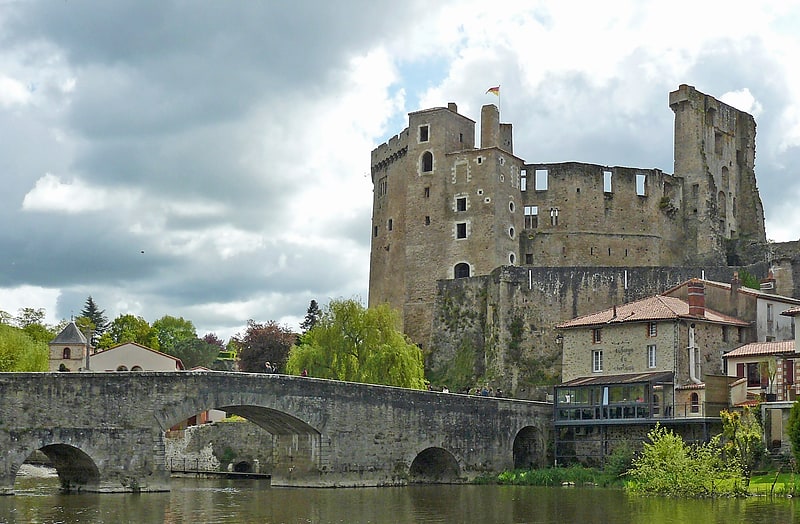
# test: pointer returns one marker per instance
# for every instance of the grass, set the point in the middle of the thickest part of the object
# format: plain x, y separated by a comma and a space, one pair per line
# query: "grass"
772, 483
574, 475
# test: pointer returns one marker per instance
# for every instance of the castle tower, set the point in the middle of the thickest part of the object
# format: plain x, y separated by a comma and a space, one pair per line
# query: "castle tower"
442, 209
715, 155
69, 350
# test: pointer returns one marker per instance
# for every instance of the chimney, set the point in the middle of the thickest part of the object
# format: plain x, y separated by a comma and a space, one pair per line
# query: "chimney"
490, 126
767, 285
697, 298
452, 107
735, 283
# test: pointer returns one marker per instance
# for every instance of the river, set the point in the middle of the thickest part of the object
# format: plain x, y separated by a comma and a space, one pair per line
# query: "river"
242, 501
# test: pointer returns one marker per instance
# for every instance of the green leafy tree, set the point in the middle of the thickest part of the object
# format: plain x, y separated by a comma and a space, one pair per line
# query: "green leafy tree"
129, 328
668, 466
357, 344
6, 317
31, 321
97, 318
171, 330
19, 352
195, 352
742, 434
261, 343
793, 430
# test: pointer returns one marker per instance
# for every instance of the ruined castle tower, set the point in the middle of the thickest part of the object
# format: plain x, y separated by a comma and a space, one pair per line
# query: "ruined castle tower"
445, 209
715, 156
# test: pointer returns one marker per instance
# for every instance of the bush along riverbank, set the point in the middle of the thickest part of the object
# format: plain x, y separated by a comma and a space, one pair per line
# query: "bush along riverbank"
668, 466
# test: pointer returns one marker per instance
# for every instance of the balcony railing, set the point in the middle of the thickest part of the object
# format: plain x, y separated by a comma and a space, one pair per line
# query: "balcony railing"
637, 411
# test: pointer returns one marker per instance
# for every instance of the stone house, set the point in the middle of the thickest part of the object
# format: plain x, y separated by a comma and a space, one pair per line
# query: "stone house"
628, 367
69, 351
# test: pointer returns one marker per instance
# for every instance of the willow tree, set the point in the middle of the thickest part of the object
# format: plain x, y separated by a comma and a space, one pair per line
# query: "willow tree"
20, 352
353, 343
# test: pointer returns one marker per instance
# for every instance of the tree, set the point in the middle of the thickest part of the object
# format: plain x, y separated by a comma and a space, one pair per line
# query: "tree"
171, 330
743, 438
97, 317
668, 466
129, 328
312, 317
212, 338
195, 352
31, 321
20, 352
360, 345
793, 430
261, 343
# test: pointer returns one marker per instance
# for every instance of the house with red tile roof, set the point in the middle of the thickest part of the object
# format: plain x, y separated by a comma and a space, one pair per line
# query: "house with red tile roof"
628, 367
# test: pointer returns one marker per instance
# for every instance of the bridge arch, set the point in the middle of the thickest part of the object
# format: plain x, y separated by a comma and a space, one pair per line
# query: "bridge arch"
529, 448
434, 464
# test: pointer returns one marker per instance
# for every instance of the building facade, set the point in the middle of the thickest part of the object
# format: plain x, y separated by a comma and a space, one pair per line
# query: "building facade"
656, 360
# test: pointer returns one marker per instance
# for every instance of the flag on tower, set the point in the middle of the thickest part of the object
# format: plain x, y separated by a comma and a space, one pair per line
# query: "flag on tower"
494, 90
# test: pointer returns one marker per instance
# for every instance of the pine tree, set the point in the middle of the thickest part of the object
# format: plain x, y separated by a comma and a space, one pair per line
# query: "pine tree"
312, 317
97, 317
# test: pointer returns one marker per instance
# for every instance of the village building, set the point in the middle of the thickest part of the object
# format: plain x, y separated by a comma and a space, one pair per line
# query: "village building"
69, 351
630, 366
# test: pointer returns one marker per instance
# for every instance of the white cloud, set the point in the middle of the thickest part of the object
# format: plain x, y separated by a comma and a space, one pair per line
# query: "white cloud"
51, 194
13, 92
743, 100
15, 298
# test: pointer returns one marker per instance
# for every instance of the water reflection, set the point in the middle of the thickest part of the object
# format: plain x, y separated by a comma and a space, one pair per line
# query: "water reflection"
229, 501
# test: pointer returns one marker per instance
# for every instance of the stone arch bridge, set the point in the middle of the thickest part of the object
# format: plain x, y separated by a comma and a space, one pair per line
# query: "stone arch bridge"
104, 432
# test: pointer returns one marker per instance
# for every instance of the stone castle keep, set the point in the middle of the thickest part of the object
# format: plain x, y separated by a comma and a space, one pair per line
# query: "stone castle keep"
482, 252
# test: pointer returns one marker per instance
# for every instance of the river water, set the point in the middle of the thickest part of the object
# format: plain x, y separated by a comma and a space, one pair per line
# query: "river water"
243, 501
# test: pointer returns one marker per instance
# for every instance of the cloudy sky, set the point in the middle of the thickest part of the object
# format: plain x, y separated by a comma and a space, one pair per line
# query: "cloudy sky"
211, 160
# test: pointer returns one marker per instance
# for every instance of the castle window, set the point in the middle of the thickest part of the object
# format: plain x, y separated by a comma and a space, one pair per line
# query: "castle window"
597, 335
511, 232
461, 230
427, 162
511, 206
427, 192
461, 137
553, 216
529, 258
461, 270
541, 180
523, 180
597, 361
480, 160
66, 354
389, 225
461, 204
717, 143
375, 231
651, 356
607, 181
424, 132
640, 187
531, 217
427, 220
382, 187
512, 258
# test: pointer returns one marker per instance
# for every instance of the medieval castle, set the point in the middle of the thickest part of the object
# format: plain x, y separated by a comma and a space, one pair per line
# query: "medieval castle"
482, 253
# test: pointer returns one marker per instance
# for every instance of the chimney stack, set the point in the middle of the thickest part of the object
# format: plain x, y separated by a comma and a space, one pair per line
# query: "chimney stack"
697, 298
767, 285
